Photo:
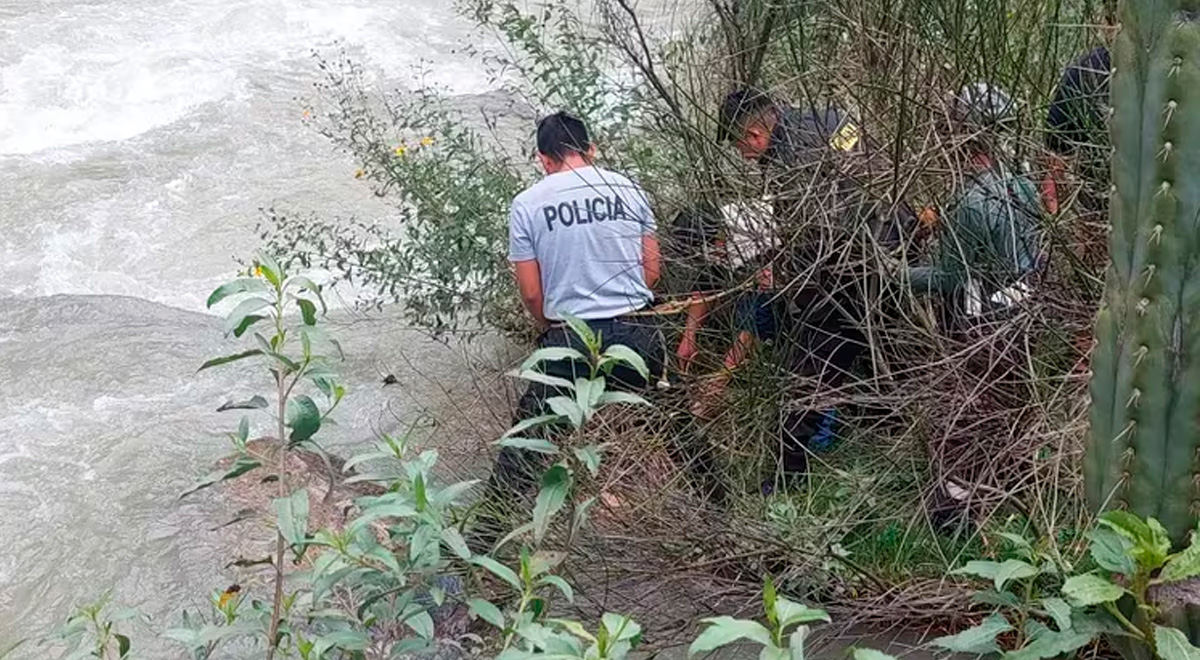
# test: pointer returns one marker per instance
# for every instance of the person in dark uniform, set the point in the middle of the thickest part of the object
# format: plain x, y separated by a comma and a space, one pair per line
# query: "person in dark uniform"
1077, 132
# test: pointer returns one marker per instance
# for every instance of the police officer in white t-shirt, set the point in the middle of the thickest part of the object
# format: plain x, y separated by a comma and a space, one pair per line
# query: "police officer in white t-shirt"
582, 241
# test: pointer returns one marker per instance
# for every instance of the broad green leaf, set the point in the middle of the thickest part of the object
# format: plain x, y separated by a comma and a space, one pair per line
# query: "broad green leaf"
772, 652
1050, 644
1174, 645
724, 630
240, 285
243, 432
291, 517
1111, 551
552, 354
621, 628
455, 542
499, 570
791, 613
998, 598
573, 627
270, 268
1184, 565
587, 393
303, 417
545, 379
1151, 545
628, 356
796, 643
566, 407
245, 324
1091, 589
590, 457
255, 402
216, 362
583, 331
421, 623
1058, 610
122, 645
978, 640
999, 573
1097, 622
244, 309
556, 485
530, 423
486, 611
451, 494
609, 398
539, 445
308, 311
407, 648
347, 640
241, 466
871, 654
561, 585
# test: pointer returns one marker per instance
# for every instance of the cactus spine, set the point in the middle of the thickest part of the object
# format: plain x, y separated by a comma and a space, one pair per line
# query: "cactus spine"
1145, 422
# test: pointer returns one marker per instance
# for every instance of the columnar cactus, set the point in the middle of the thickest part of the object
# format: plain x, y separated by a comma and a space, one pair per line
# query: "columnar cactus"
1145, 423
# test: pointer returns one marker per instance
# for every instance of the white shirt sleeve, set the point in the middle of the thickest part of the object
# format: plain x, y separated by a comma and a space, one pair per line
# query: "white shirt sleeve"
520, 239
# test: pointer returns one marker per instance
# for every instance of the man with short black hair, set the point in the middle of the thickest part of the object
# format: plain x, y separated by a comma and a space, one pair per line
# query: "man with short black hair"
582, 242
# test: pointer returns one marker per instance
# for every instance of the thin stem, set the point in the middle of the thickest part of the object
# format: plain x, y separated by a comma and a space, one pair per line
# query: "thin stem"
283, 390
1116, 612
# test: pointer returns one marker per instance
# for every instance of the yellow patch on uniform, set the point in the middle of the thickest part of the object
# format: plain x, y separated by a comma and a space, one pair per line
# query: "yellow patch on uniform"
846, 137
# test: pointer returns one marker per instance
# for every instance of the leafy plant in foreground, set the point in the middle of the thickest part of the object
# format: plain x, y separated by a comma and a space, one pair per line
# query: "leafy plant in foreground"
1044, 610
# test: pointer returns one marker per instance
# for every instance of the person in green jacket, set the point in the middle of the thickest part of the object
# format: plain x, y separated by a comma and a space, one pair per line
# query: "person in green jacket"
988, 245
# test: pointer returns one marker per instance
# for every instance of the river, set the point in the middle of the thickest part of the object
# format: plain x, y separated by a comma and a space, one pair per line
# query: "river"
138, 138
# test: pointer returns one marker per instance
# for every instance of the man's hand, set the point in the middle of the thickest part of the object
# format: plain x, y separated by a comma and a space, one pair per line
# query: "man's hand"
766, 279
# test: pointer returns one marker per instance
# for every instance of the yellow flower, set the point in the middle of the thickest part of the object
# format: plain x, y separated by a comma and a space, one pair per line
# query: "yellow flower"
359, 173
257, 271
426, 142
228, 595
306, 114
400, 149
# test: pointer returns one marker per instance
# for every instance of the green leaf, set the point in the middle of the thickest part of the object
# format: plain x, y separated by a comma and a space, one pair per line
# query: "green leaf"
791, 613
530, 423
346, 640
241, 466
255, 402
303, 417
999, 573
455, 542
583, 331
978, 640
581, 515
236, 322
308, 311
871, 654
270, 268
1050, 644
561, 585
1111, 551
566, 407
573, 627
724, 630
216, 362
590, 457
997, 598
621, 628
499, 570
628, 356
421, 623
486, 611
587, 393
556, 485
610, 398
1058, 610
1174, 645
240, 285
552, 354
539, 377
1151, 545
122, 645
291, 516
539, 445
1184, 565
1091, 589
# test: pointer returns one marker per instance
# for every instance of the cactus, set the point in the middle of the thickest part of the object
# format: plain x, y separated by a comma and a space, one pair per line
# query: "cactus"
1145, 419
